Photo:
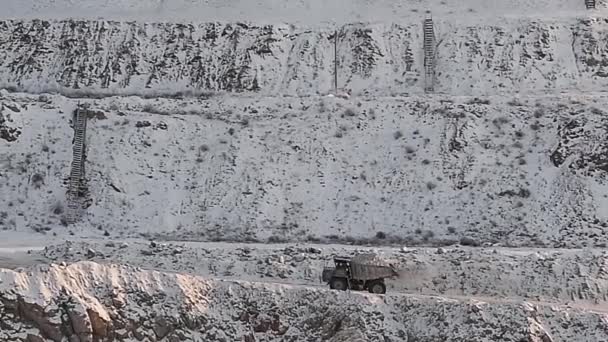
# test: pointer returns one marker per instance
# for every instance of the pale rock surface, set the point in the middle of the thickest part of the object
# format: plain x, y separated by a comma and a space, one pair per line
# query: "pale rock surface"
87, 301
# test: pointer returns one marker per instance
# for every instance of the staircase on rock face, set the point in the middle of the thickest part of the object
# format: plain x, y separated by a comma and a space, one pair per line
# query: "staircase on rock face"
429, 55
77, 181
590, 4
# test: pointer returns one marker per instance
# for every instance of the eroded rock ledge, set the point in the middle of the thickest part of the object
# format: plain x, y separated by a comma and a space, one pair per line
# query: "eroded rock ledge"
511, 55
90, 302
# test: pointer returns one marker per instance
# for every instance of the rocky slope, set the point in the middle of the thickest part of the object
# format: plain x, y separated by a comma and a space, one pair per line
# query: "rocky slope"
527, 171
551, 276
504, 56
89, 302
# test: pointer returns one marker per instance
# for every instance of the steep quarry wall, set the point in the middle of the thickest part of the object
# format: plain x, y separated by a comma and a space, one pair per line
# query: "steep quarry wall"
258, 154
527, 171
528, 56
209, 121
506, 56
88, 302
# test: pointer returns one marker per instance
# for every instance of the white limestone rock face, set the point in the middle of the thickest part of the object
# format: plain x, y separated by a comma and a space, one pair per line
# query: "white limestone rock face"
88, 301
485, 56
524, 171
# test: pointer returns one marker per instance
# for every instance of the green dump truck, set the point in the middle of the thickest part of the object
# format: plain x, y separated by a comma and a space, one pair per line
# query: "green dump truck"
361, 272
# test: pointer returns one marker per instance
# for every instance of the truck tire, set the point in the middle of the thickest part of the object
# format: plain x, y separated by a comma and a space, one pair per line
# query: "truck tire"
377, 287
338, 284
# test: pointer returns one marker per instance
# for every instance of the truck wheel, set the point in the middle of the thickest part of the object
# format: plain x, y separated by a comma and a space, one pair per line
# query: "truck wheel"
377, 287
338, 284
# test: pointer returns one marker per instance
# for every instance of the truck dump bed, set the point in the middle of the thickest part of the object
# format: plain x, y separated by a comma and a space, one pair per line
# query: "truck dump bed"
370, 266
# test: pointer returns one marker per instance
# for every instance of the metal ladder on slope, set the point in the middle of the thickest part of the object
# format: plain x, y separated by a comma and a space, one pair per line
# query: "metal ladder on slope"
77, 169
429, 55
590, 4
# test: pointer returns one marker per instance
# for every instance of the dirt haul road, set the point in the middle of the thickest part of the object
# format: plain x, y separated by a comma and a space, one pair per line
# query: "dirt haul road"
528, 282
546, 276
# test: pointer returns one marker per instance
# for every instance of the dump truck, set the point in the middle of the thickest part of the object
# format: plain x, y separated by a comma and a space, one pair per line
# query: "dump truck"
361, 272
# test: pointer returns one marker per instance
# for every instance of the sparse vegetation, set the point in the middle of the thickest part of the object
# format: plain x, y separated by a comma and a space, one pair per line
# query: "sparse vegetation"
372, 114
451, 230
522, 192
231, 131
313, 239
149, 108
498, 122
57, 208
477, 100
276, 239
96, 114
322, 107
141, 124
443, 111
397, 135
203, 148
467, 241
341, 131
431, 185
380, 235
515, 103
37, 180
535, 126
12, 223
362, 176
596, 111
349, 112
